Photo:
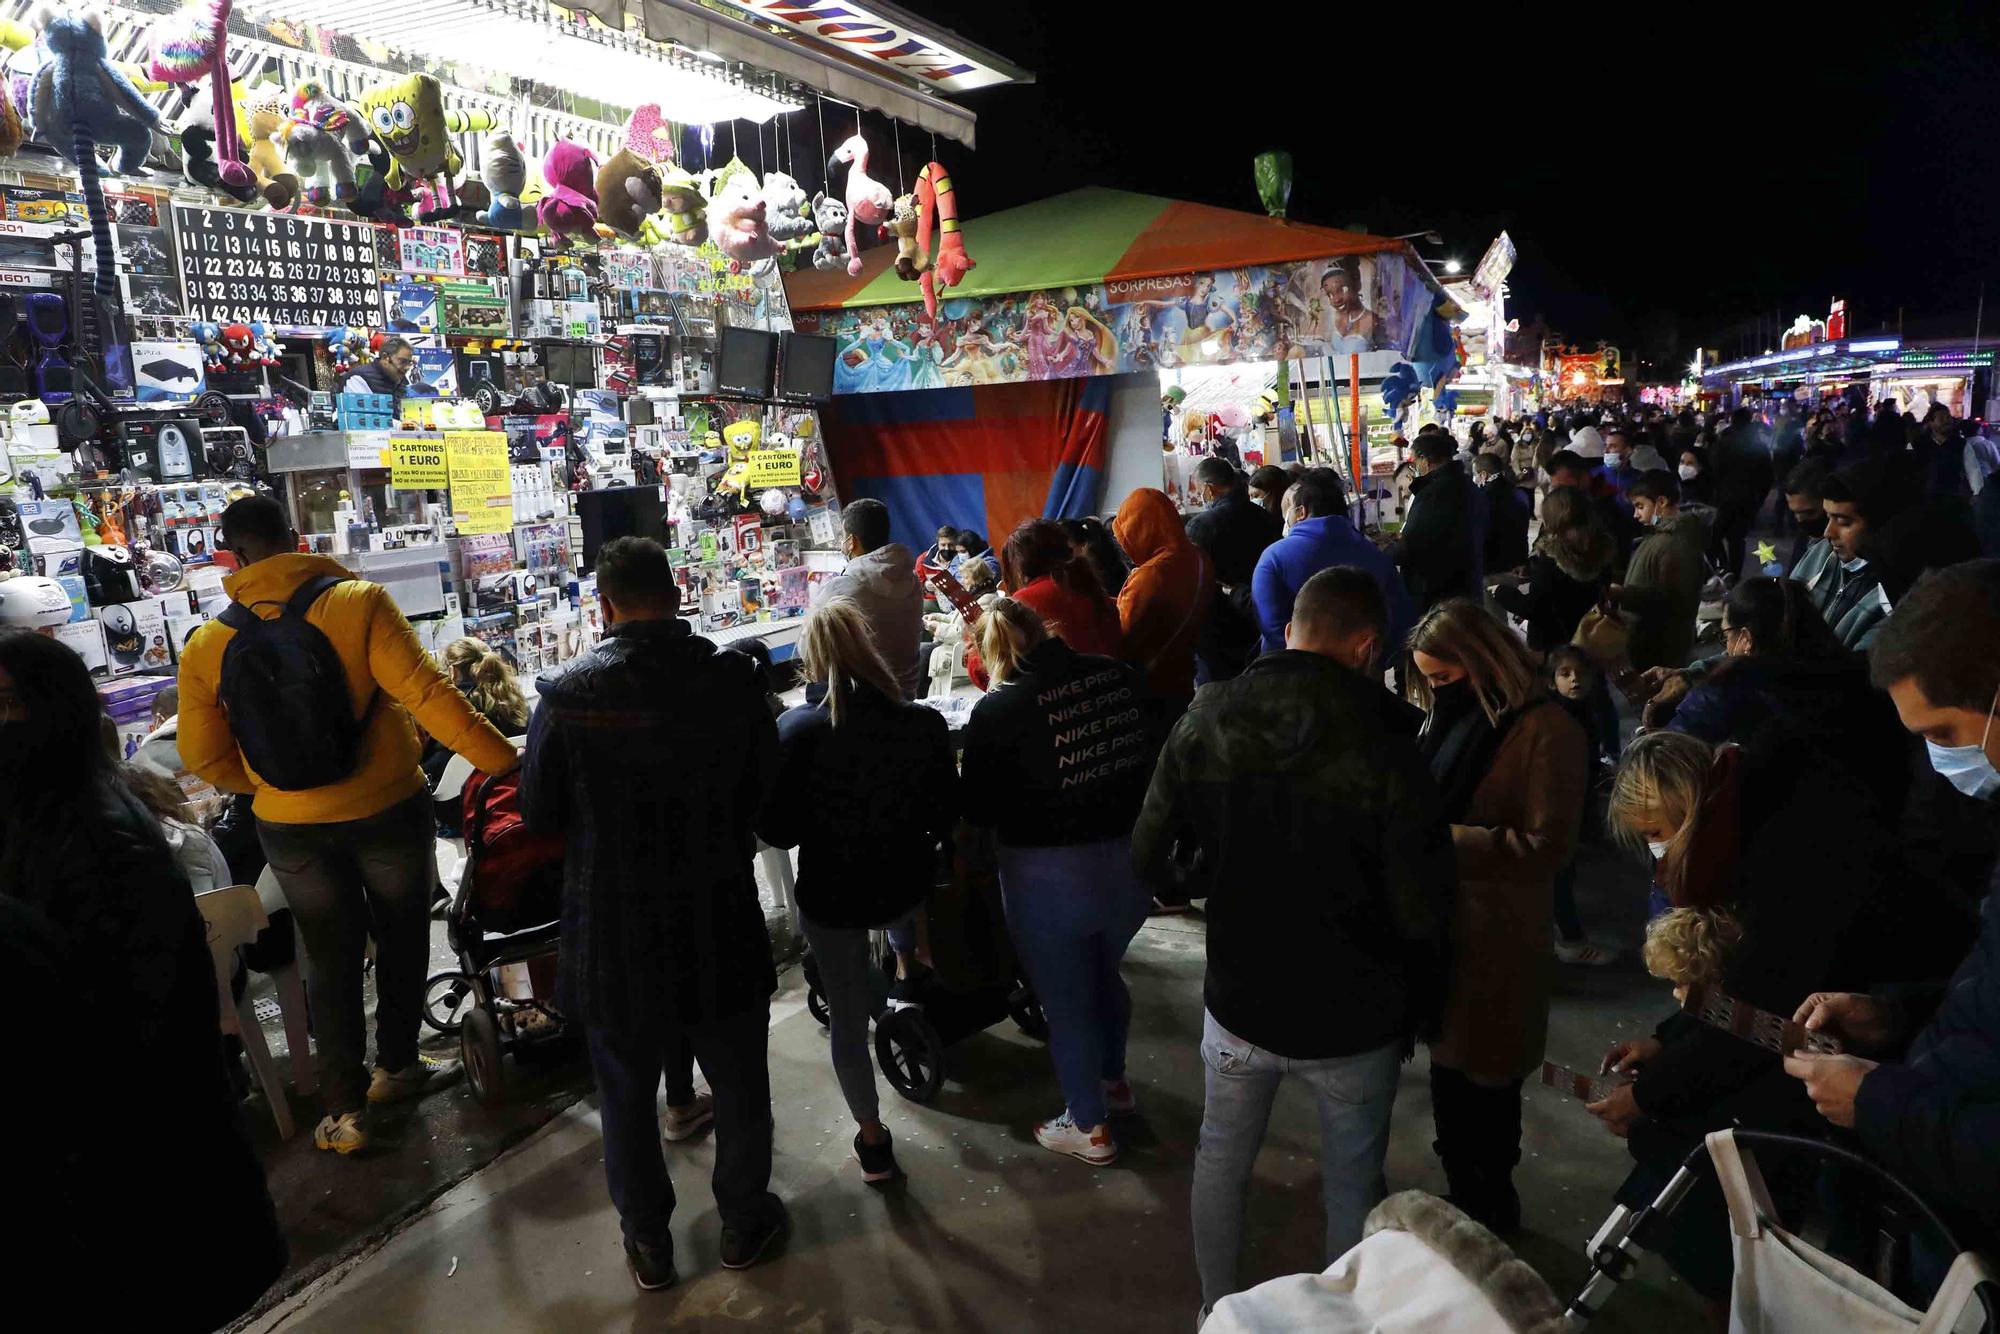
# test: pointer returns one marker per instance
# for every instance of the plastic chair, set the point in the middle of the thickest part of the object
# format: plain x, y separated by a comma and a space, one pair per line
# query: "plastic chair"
235, 917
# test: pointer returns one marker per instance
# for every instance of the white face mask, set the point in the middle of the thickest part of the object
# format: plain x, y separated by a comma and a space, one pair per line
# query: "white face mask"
1854, 566
1613, 459
1966, 767
1688, 472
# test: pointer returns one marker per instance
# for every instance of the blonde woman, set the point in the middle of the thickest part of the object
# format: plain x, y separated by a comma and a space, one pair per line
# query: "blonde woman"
1510, 769
1057, 760
866, 790
487, 679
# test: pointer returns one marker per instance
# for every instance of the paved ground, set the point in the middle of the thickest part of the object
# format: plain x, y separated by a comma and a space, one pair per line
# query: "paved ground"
988, 1233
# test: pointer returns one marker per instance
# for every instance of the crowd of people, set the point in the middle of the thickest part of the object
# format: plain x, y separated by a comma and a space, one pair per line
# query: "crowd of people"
1372, 758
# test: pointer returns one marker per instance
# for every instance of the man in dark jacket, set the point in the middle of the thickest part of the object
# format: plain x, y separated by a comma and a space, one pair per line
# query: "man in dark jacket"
1742, 478
653, 753
1332, 902
1932, 1118
1442, 545
388, 374
1234, 531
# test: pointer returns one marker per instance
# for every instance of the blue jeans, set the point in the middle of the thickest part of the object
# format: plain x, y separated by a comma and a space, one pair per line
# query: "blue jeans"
1072, 911
1355, 1095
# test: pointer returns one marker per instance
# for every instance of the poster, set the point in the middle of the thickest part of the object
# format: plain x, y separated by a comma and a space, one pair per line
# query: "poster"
1350, 303
417, 462
482, 487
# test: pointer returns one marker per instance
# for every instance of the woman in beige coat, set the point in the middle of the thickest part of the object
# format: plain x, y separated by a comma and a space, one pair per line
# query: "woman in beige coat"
1511, 769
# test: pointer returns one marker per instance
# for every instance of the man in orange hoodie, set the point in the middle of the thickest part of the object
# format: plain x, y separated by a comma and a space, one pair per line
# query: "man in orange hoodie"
1165, 601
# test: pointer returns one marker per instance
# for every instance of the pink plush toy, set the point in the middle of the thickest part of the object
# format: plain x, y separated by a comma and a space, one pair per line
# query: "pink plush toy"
192, 44
868, 200
647, 134
736, 221
570, 207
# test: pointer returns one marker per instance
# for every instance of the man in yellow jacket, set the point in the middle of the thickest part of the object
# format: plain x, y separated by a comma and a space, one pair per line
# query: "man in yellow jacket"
353, 857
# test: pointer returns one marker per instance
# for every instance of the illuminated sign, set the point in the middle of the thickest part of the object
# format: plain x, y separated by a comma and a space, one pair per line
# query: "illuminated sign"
854, 29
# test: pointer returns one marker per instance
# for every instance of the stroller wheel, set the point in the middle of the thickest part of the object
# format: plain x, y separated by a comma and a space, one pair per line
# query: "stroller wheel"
479, 1049
1027, 1013
815, 998
446, 997
910, 1053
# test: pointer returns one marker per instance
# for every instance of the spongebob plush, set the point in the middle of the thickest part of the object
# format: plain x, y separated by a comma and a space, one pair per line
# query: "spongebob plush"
743, 437
409, 117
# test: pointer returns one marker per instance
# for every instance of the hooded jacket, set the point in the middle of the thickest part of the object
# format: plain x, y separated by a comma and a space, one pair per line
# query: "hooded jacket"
1314, 545
885, 586
1333, 871
389, 678
1662, 588
1442, 547
1167, 598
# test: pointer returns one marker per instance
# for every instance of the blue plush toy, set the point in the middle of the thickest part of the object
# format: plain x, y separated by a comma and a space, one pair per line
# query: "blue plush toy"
80, 100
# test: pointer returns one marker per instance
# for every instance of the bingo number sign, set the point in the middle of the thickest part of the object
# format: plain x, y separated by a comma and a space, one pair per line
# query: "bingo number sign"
239, 266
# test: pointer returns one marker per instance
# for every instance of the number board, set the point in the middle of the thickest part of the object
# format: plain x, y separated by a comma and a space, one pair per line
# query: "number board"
238, 266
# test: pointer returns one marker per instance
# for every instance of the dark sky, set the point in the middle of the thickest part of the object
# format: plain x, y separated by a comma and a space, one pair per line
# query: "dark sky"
1667, 185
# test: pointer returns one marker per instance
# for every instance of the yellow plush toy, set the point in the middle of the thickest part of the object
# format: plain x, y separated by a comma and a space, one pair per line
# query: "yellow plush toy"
410, 119
743, 437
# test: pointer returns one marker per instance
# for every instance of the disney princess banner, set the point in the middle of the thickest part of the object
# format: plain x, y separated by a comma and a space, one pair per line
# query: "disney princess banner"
1349, 303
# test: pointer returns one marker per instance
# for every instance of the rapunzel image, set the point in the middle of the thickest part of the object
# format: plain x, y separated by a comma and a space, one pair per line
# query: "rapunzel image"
1087, 347
1041, 335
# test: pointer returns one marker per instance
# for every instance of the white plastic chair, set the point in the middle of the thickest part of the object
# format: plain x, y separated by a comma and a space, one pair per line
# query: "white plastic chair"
943, 682
234, 917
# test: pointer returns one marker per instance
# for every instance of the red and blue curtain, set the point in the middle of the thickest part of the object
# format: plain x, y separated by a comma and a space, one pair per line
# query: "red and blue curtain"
983, 458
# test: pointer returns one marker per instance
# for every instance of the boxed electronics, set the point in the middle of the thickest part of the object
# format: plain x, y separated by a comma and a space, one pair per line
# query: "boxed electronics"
135, 636
84, 638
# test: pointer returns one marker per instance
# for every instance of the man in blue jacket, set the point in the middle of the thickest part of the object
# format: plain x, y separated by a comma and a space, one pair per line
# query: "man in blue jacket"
1317, 536
1932, 1118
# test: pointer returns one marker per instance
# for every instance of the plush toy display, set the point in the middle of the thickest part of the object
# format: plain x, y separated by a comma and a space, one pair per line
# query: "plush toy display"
935, 198
374, 198
208, 336
648, 136
410, 119
830, 216
190, 46
346, 348
570, 208
787, 211
736, 218
198, 164
868, 200
319, 136
910, 262
684, 208
505, 172
628, 191
742, 437
79, 101
268, 116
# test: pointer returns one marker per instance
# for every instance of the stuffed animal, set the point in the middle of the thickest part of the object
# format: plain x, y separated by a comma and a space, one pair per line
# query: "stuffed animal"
648, 136
910, 262
830, 216
346, 348
319, 136
570, 209
191, 45
410, 119
198, 163
79, 100
628, 191
268, 116
505, 172
684, 208
12, 132
787, 211
868, 200
736, 220
209, 337
936, 197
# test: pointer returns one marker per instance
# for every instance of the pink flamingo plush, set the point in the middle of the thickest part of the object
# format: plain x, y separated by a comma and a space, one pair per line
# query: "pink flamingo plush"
188, 45
868, 200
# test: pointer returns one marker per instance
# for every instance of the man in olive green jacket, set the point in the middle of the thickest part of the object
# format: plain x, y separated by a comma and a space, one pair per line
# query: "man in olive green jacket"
1662, 587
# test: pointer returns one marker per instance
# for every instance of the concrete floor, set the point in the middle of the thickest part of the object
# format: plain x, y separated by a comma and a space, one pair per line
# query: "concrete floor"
989, 1232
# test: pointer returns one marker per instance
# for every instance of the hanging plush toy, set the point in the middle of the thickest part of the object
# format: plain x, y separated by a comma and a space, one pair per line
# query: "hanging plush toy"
319, 136
410, 119
683, 207
787, 212
373, 196
190, 46
948, 268
868, 200
570, 208
267, 117
198, 163
910, 261
628, 191
648, 136
830, 216
505, 172
736, 220
79, 101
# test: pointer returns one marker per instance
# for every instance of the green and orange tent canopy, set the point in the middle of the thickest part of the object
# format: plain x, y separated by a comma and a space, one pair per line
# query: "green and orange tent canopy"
1086, 236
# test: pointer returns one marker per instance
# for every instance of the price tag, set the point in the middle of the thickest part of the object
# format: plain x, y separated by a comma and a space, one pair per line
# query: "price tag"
774, 467
417, 462
364, 449
482, 487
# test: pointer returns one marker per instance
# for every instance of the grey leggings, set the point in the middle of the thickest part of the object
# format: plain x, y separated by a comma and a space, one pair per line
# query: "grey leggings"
842, 956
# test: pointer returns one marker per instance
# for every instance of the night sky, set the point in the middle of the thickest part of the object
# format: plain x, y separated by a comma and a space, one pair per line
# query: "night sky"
1683, 184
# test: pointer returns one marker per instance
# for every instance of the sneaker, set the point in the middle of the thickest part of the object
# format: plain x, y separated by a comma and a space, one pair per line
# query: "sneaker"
426, 1074
1118, 1099
342, 1134
1585, 953
878, 1161
652, 1266
1063, 1135
687, 1122
741, 1248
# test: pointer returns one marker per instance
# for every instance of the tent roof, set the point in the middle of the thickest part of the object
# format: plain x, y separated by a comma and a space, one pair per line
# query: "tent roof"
1089, 236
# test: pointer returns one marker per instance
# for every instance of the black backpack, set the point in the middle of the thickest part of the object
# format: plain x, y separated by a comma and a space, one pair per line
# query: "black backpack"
286, 694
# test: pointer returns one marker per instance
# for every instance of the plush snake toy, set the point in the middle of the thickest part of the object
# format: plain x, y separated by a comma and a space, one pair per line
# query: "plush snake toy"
936, 198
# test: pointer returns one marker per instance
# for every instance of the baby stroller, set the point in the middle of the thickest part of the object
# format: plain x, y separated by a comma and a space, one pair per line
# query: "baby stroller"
975, 980
503, 925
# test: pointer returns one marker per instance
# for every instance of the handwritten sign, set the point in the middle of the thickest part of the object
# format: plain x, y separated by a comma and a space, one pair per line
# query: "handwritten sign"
774, 467
417, 462
482, 488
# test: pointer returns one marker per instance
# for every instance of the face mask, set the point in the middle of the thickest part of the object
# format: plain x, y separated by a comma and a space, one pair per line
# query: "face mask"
1659, 850
1688, 472
1966, 767
1613, 459
1855, 566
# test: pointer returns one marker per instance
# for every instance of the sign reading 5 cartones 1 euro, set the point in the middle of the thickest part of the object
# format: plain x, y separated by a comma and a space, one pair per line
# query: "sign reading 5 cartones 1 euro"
417, 462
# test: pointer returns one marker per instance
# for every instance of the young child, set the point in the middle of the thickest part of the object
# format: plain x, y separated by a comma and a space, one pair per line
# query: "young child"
1687, 947
1575, 679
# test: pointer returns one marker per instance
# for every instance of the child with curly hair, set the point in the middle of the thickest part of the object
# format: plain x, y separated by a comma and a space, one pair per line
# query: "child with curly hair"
1687, 946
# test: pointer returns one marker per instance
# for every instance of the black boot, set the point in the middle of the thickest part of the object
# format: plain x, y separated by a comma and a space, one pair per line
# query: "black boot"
1478, 1141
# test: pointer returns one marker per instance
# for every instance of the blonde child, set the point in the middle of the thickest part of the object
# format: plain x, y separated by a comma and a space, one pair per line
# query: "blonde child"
1687, 947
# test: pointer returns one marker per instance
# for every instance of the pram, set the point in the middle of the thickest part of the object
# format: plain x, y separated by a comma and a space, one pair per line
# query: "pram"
974, 982
1422, 1265
494, 1001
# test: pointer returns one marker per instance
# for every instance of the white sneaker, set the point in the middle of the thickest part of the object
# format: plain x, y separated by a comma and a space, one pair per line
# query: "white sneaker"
1063, 1135
426, 1074
686, 1122
342, 1134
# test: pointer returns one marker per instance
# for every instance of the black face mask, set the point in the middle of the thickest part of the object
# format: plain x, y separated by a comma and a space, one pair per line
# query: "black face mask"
1449, 701
1814, 522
